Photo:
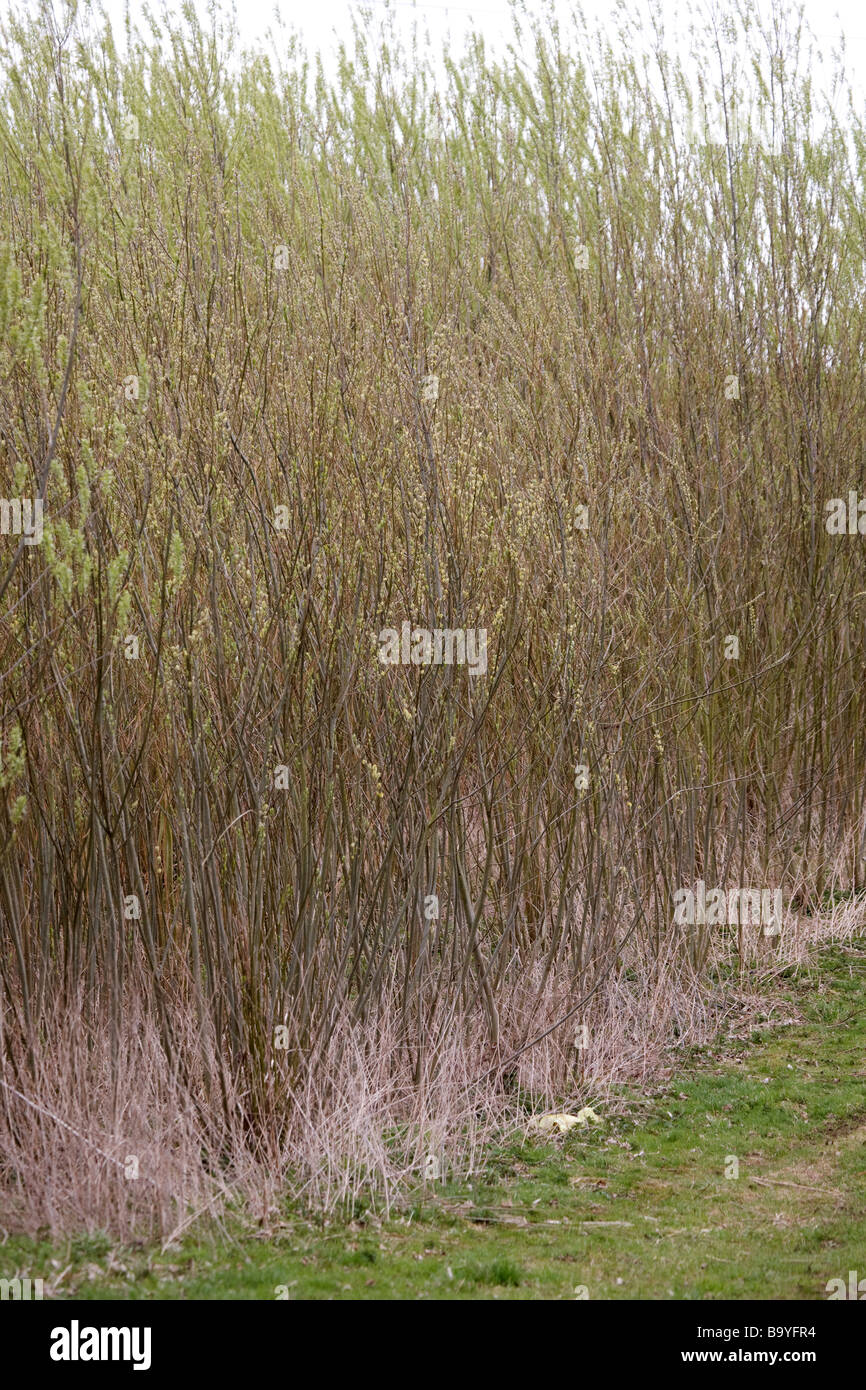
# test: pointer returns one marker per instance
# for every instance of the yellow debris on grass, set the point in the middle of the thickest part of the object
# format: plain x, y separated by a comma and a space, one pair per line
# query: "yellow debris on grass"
563, 1123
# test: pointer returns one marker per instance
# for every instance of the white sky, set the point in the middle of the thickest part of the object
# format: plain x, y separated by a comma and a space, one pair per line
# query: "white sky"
321, 20
322, 23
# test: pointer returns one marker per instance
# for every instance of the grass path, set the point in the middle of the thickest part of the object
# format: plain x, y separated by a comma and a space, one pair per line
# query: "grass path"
639, 1207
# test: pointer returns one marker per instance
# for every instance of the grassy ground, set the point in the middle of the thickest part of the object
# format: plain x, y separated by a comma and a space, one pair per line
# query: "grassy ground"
638, 1207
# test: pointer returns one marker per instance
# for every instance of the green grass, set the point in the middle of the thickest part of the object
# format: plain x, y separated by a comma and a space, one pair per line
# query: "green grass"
638, 1208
